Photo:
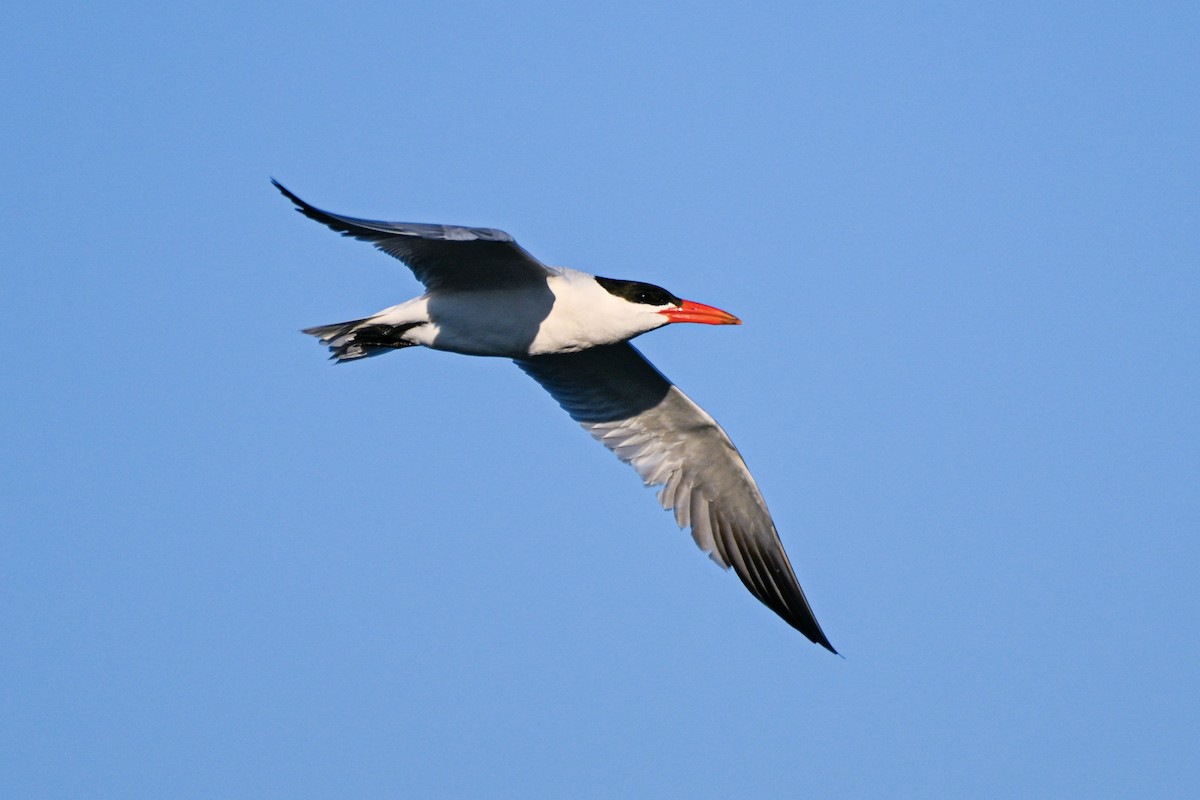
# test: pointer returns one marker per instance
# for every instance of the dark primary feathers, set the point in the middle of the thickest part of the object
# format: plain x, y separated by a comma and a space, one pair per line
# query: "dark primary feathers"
441, 256
630, 408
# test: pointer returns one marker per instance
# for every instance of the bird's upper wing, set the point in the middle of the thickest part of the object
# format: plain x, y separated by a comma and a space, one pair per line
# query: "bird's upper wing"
633, 410
441, 256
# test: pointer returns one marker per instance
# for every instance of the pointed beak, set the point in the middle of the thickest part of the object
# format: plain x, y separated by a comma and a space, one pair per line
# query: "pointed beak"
698, 312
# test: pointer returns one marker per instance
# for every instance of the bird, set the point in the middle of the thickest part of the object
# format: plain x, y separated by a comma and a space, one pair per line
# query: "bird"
485, 295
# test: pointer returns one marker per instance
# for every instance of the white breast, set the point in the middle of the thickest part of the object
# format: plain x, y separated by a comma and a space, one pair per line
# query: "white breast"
585, 315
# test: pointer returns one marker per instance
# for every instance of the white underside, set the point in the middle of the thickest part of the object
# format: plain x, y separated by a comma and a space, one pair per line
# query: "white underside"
571, 312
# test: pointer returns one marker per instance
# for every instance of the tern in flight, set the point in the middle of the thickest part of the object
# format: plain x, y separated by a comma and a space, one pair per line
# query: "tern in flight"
570, 331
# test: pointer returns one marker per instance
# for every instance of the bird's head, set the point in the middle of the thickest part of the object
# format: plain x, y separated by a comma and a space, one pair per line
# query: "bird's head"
657, 307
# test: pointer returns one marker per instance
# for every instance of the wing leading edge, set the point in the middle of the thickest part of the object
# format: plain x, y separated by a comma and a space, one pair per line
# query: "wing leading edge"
441, 256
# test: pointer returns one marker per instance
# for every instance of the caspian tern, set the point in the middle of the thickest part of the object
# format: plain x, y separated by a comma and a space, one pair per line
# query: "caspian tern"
570, 331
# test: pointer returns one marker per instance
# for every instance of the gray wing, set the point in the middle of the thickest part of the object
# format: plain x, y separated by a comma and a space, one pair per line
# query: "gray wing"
441, 256
633, 410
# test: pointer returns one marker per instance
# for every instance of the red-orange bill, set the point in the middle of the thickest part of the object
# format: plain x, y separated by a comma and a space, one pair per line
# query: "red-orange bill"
698, 312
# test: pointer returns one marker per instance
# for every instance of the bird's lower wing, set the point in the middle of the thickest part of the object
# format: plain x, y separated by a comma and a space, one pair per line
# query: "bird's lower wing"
633, 410
440, 256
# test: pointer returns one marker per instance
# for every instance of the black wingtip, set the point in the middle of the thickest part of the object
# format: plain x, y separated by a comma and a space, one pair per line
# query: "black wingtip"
817, 636
796, 612
300, 204
343, 225
812, 631
809, 626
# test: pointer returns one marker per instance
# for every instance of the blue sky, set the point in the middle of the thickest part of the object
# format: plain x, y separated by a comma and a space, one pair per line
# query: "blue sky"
965, 243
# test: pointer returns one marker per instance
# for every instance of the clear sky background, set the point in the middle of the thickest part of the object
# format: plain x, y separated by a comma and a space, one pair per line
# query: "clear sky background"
964, 238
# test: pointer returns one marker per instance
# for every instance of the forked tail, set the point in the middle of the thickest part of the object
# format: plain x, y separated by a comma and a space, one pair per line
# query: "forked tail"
361, 338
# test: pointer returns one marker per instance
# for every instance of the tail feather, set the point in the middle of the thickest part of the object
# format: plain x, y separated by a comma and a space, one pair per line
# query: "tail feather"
361, 338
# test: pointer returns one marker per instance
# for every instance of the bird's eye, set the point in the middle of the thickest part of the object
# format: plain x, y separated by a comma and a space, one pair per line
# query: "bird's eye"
653, 296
